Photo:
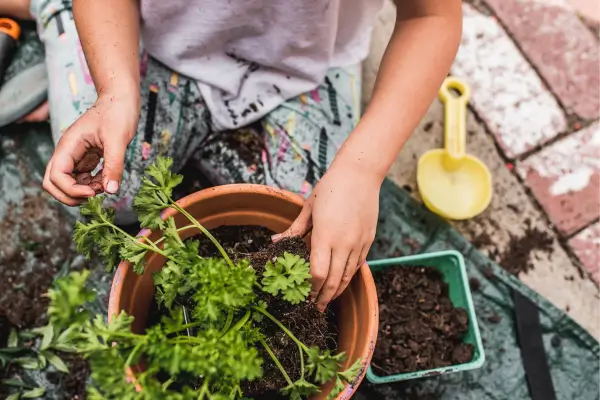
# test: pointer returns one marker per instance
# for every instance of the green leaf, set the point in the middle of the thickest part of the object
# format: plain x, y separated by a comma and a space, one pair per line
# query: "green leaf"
34, 393
155, 193
14, 396
337, 389
274, 279
13, 338
134, 253
299, 389
323, 365
352, 372
288, 275
15, 383
42, 362
48, 332
56, 362
67, 299
28, 362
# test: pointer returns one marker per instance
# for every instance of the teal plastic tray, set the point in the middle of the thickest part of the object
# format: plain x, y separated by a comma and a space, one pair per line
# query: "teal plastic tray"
452, 266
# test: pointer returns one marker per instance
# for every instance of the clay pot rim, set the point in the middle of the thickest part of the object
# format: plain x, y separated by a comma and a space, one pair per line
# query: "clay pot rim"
365, 272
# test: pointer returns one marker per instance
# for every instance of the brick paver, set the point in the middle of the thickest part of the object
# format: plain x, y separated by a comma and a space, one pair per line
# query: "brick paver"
506, 91
586, 245
561, 47
565, 179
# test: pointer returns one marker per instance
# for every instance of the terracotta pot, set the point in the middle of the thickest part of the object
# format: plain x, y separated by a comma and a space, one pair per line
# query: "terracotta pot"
356, 309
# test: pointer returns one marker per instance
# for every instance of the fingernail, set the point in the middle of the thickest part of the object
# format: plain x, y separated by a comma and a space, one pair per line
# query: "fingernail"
276, 237
112, 187
321, 309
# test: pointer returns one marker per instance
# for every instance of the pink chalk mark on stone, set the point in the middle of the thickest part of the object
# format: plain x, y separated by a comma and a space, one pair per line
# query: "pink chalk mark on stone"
562, 48
586, 246
565, 179
506, 91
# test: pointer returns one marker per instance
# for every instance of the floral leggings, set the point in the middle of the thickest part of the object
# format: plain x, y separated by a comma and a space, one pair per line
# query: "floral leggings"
290, 148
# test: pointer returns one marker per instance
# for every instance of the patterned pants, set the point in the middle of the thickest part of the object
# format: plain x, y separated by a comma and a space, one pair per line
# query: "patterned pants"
289, 148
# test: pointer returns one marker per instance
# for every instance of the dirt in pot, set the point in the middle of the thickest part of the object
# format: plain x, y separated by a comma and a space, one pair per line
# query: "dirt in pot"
310, 326
419, 327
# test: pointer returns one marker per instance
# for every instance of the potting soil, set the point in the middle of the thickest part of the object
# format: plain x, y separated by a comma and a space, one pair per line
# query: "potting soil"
405, 227
419, 328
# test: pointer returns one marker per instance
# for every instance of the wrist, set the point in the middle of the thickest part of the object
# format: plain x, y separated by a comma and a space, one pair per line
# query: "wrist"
126, 95
359, 166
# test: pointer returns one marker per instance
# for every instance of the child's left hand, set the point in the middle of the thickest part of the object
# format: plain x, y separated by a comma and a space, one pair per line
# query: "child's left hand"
342, 211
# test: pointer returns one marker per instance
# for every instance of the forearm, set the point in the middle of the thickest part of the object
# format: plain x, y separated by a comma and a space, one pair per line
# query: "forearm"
109, 34
416, 61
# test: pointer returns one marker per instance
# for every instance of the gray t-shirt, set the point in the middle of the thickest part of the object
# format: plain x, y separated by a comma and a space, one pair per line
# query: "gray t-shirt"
248, 56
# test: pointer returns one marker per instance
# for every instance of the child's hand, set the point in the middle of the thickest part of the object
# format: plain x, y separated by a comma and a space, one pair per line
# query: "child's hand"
109, 126
342, 210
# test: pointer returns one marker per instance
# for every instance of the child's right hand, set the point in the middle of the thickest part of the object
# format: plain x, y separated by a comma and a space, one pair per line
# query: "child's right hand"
109, 126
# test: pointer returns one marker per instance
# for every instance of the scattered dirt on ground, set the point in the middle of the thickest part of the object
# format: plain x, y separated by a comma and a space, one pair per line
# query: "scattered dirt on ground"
474, 284
312, 327
516, 258
419, 328
37, 243
494, 318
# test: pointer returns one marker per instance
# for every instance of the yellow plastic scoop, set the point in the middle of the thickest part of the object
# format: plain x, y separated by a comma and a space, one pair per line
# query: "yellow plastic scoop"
452, 183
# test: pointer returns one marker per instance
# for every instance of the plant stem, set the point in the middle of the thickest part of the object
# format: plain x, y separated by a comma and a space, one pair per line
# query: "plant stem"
132, 354
227, 323
153, 246
186, 326
203, 390
203, 230
183, 228
281, 326
301, 362
241, 322
276, 361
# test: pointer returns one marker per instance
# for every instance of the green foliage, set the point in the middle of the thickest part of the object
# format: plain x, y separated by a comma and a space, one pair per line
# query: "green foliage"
323, 364
155, 193
99, 232
299, 389
67, 299
288, 275
208, 357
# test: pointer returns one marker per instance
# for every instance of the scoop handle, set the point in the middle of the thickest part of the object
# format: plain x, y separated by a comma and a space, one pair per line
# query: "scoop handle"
455, 95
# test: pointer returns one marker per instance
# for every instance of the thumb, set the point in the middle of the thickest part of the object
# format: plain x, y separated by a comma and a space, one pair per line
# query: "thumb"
114, 156
299, 227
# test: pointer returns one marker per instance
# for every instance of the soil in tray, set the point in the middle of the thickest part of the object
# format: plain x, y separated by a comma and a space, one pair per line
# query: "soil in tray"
312, 327
419, 328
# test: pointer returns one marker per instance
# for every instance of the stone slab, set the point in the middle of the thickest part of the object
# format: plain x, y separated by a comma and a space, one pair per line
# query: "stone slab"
507, 93
565, 179
562, 48
586, 246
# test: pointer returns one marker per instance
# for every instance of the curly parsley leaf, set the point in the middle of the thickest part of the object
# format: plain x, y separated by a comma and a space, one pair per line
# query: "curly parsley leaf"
67, 300
299, 389
288, 275
323, 364
221, 288
337, 389
155, 193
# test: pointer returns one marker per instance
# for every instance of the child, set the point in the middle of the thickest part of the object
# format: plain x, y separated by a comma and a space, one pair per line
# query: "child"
258, 91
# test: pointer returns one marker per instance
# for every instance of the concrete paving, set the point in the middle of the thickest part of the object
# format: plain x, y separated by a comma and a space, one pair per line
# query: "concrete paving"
515, 228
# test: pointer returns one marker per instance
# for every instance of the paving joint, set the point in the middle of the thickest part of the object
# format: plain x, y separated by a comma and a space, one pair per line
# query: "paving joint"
560, 136
570, 117
562, 240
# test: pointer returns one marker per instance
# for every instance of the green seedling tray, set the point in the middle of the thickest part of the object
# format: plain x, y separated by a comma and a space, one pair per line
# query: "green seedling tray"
452, 266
